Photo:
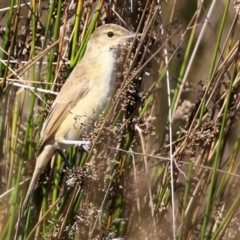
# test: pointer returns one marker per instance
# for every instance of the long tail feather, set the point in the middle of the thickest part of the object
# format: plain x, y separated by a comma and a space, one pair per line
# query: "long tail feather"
42, 160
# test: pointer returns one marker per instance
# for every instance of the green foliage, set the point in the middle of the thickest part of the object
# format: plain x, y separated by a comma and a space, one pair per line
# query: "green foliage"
123, 187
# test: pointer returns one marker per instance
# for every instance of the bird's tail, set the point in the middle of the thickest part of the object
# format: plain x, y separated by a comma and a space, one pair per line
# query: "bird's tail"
41, 162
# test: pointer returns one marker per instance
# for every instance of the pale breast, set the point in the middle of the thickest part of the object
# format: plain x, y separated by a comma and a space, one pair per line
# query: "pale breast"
82, 117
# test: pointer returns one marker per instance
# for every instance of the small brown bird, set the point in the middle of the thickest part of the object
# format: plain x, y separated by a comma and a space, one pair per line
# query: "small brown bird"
82, 98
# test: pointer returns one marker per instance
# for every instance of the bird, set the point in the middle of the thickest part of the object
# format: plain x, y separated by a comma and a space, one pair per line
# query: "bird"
82, 98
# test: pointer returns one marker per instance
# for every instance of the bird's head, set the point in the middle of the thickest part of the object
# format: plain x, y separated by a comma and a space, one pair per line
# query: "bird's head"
108, 36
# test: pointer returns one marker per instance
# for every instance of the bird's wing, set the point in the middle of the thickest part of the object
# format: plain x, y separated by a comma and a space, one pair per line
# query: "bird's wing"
72, 91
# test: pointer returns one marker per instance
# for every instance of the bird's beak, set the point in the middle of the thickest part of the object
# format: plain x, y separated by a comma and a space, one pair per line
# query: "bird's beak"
131, 35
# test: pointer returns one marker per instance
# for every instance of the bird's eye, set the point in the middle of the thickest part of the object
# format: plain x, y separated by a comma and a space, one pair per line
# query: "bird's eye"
110, 34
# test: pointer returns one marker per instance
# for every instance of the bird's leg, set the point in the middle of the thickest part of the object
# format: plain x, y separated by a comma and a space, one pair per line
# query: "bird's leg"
64, 157
86, 145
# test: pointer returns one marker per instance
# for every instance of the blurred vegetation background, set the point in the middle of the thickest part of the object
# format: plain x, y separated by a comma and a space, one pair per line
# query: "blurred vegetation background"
164, 158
